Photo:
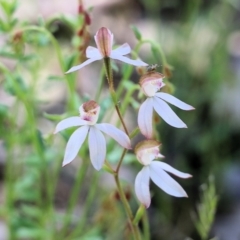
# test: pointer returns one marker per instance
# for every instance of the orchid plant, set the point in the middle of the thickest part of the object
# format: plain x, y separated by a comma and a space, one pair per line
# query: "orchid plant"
146, 151
56, 186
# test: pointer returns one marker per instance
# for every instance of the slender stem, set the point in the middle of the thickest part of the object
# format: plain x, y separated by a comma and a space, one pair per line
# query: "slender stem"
127, 208
155, 46
121, 119
120, 161
146, 231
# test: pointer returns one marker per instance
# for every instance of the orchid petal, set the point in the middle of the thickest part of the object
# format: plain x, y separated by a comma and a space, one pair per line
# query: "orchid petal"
74, 144
167, 114
97, 147
145, 118
92, 52
172, 170
69, 122
142, 187
164, 181
75, 68
115, 133
122, 50
137, 62
174, 101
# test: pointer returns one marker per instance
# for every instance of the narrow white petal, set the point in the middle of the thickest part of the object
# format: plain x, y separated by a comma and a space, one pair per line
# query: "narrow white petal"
115, 133
92, 52
69, 122
90, 60
137, 62
142, 187
97, 147
145, 118
74, 144
165, 182
122, 50
167, 114
174, 101
172, 170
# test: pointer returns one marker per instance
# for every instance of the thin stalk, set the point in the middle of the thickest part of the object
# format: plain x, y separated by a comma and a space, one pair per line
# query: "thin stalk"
146, 227
120, 161
134, 228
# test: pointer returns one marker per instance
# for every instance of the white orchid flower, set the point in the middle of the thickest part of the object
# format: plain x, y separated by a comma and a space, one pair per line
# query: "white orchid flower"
151, 83
146, 151
104, 42
89, 112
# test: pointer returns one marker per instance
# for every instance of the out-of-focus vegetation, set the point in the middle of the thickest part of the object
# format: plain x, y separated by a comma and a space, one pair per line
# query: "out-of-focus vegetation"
43, 201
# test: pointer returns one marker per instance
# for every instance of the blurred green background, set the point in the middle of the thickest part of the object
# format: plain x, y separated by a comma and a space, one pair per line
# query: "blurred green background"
201, 42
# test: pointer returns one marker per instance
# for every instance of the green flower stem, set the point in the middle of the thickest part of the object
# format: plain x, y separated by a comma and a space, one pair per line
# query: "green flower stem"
157, 47
120, 161
9, 184
146, 227
108, 71
87, 207
124, 200
69, 81
134, 228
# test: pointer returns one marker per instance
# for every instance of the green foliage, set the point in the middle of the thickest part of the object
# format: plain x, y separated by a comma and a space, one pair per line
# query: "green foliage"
206, 209
136, 32
194, 45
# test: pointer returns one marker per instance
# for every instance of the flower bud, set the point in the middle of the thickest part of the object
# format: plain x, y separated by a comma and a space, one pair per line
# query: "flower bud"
89, 111
104, 40
147, 150
87, 18
151, 82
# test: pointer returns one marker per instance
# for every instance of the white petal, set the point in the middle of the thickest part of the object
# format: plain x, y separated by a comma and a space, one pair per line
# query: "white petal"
165, 182
172, 170
74, 144
145, 118
174, 101
137, 62
92, 52
167, 114
97, 147
115, 133
142, 187
122, 50
90, 60
69, 122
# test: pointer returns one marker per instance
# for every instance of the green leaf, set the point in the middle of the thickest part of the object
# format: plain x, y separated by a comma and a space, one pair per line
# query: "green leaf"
55, 78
